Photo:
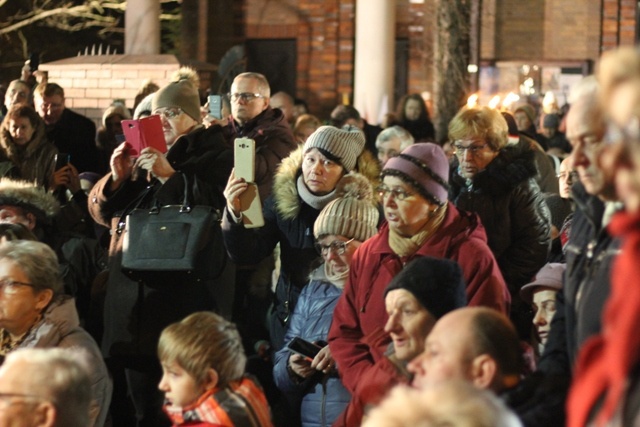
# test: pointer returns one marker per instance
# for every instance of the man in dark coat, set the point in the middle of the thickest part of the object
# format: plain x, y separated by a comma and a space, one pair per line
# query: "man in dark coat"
254, 118
590, 253
69, 131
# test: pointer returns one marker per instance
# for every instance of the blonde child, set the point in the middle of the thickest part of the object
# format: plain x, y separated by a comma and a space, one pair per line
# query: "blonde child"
203, 375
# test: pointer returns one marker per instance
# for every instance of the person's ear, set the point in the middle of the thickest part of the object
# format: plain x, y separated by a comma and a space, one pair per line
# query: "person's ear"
44, 415
31, 221
43, 298
212, 379
484, 371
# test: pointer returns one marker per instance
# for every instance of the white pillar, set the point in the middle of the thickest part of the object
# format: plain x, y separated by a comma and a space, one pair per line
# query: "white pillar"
374, 57
142, 27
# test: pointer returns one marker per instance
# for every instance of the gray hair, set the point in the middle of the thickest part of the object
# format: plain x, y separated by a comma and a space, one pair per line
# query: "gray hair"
263, 83
395, 132
60, 376
38, 262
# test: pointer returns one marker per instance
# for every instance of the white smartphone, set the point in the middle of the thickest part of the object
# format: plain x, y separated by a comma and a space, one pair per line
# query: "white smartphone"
244, 159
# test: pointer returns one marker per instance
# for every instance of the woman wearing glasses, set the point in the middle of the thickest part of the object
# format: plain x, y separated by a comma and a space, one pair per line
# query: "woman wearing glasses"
34, 313
136, 312
303, 185
497, 182
340, 229
420, 222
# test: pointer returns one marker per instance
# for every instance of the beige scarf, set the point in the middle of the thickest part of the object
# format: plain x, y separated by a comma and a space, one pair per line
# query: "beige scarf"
407, 246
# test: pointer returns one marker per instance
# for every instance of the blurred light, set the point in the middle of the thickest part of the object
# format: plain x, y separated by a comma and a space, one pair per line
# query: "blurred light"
495, 101
472, 101
472, 68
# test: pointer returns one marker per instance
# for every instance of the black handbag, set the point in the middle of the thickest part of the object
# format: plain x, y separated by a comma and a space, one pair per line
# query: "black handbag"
172, 244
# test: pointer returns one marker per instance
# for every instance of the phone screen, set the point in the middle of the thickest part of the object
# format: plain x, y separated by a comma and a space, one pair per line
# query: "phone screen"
304, 348
215, 106
62, 160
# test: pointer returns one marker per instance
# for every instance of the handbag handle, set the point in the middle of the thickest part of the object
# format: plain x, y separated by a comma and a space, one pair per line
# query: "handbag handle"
135, 203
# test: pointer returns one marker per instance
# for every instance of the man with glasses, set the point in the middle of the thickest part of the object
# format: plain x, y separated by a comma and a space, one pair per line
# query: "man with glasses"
590, 253
254, 118
69, 131
44, 387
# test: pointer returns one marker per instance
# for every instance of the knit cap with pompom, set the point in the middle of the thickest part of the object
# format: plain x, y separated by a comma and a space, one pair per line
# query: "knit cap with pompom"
181, 92
353, 214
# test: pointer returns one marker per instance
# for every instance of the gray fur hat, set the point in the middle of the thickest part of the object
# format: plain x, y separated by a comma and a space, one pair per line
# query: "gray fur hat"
28, 196
345, 144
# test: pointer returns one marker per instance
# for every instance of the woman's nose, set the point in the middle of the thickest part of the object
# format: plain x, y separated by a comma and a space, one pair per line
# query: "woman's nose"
539, 319
392, 323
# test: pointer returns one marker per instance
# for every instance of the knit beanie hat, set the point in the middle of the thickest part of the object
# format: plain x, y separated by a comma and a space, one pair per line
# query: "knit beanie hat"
559, 207
549, 276
182, 93
144, 107
425, 166
353, 214
529, 111
30, 197
115, 109
345, 144
437, 283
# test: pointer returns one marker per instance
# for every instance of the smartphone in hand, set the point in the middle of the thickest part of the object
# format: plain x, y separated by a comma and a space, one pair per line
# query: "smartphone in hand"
304, 348
215, 106
145, 132
62, 160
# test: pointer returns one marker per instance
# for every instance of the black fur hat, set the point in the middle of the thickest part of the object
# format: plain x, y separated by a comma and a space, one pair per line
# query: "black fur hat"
436, 283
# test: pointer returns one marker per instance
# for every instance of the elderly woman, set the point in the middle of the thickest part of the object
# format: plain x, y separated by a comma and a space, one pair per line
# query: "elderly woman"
424, 291
498, 183
340, 229
420, 222
34, 313
303, 185
25, 152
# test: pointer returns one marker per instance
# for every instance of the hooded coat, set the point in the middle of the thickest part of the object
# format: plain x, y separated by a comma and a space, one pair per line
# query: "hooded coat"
288, 221
513, 212
60, 328
360, 312
34, 161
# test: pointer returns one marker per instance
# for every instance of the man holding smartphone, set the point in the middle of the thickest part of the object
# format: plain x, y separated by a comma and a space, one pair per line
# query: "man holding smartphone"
254, 118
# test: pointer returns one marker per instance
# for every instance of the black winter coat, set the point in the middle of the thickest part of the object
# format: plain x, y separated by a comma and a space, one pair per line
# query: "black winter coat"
512, 210
136, 314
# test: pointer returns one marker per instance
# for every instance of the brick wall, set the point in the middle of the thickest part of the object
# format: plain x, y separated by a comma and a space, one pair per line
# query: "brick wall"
618, 23
91, 83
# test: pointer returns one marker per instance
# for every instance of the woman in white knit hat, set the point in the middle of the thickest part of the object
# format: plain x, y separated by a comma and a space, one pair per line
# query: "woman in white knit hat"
339, 230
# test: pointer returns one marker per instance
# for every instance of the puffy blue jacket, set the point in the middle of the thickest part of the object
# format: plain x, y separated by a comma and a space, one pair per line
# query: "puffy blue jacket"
323, 396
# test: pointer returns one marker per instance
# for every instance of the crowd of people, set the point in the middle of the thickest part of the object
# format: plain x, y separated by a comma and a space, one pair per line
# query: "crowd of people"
397, 280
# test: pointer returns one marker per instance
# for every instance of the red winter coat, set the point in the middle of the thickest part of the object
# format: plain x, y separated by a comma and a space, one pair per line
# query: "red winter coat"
361, 310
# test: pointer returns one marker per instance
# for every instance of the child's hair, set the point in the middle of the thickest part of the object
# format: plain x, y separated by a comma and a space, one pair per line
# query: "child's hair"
202, 341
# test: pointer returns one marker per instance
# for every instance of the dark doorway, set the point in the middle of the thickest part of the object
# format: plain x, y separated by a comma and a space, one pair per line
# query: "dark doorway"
276, 59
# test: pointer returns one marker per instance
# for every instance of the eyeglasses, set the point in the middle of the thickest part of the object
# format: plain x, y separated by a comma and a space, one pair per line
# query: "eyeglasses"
571, 177
398, 193
169, 113
11, 287
7, 398
244, 96
338, 247
473, 149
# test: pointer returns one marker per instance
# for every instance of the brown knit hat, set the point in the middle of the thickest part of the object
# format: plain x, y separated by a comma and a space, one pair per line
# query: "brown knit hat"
529, 111
345, 144
182, 93
353, 214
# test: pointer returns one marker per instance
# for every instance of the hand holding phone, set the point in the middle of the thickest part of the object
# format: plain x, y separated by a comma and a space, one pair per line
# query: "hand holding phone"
304, 348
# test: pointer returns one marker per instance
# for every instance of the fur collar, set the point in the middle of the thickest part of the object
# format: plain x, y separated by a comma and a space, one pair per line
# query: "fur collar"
285, 192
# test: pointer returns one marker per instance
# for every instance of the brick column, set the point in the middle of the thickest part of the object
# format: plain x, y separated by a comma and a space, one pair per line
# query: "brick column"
374, 57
